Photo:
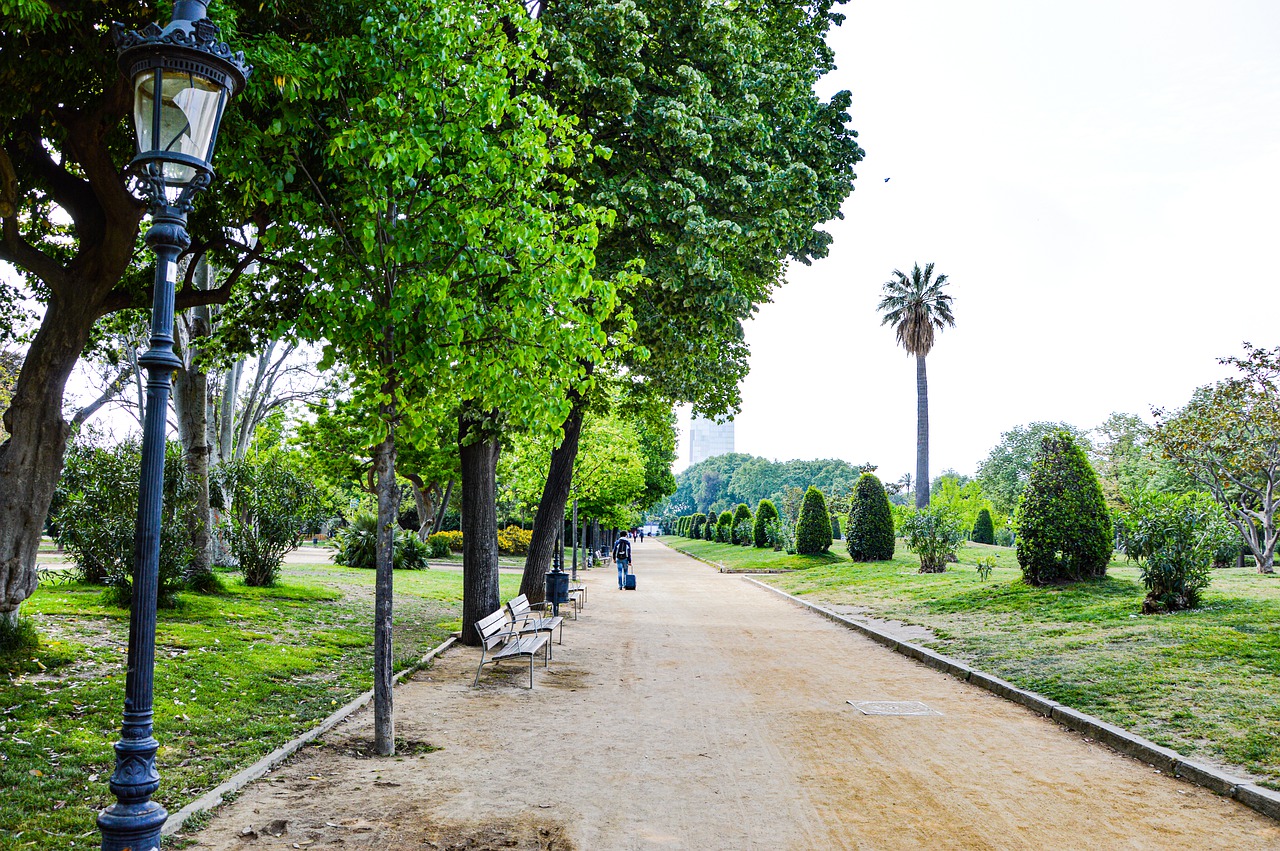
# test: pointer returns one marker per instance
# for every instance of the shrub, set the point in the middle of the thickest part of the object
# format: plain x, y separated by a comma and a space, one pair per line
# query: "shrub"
1004, 537
934, 534
438, 545
270, 505
984, 531
986, 564
724, 527
454, 538
696, 523
835, 528
813, 529
1064, 531
709, 528
766, 513
741, 521
869, 529
97, 507
514, 541
1173, 539
357, 545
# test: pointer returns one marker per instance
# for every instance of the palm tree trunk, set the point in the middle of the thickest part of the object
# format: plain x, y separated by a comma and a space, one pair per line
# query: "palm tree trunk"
922, 434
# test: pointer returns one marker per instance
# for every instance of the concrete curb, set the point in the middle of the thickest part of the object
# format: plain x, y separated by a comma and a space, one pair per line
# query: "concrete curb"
1260, 799
214, 796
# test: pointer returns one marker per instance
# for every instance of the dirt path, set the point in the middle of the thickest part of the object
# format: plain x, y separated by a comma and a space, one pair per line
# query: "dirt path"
701, 712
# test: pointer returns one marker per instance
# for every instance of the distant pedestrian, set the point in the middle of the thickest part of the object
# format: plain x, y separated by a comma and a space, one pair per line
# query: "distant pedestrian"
642, 536
622, 555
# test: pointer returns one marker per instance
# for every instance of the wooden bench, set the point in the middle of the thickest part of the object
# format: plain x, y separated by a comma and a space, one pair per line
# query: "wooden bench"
525, 620
499, 640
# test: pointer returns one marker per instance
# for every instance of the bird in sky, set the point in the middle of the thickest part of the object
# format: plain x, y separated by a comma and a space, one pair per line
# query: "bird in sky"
886, 180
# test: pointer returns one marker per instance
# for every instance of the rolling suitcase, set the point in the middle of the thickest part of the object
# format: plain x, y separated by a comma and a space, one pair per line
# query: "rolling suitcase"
631, 582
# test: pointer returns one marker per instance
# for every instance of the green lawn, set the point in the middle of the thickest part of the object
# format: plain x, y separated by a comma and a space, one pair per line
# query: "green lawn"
237, 675
1205, 683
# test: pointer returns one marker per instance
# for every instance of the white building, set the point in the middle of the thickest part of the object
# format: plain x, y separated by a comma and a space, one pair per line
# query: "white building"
707, 439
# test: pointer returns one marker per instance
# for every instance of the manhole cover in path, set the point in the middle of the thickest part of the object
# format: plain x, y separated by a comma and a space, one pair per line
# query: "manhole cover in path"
892, 707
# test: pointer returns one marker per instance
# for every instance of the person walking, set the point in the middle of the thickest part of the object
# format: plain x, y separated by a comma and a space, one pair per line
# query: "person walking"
622, 555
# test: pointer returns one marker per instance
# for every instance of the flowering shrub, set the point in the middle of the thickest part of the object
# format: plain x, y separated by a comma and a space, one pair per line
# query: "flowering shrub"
512, 541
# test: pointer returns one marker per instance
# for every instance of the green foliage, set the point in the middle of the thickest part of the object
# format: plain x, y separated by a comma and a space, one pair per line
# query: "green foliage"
964, 496
869, 531
724, 527
934, 534
984, 531
270, 504
1064, 530
18, 638
739, 478
765, 514
741, 529
709, 528
813, 529
1173, 538
357, 546
1004, 472
696, 522
986, 564
95, 514
438, 545
835, 527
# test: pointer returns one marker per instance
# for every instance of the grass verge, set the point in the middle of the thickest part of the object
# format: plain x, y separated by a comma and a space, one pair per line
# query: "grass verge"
238, 674
1205, 683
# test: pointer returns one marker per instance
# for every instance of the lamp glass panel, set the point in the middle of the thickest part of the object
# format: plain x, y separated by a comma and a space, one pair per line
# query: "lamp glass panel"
189, 110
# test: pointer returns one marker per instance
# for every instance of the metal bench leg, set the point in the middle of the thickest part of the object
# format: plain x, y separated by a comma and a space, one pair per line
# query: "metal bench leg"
531, 671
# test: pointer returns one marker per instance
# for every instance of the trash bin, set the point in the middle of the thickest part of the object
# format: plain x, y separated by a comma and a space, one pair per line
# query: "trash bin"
557, 587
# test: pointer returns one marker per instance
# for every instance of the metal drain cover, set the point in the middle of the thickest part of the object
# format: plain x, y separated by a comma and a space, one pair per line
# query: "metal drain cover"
891, 707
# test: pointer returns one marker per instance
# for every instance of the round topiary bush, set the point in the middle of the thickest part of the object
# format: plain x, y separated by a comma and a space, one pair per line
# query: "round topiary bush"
765, 513
1064, 530
813, 529
741, 515
724, 527
868, 533
984, 531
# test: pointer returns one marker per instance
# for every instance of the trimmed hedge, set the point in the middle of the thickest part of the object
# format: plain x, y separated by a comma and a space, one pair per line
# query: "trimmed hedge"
724, 527
1064, 530
869, 530
765, 513
741, 514
984, 531
696, 522
813, 529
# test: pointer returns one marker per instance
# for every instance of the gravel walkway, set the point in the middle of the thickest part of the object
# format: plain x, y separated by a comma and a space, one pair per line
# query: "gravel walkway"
701, 712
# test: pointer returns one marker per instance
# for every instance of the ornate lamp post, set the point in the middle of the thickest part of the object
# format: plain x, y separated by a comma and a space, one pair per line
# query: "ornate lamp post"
182, 79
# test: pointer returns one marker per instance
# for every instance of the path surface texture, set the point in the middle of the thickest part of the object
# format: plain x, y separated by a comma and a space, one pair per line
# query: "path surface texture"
702, 712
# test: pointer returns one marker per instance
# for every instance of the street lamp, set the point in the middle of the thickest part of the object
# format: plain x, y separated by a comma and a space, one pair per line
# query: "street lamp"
182, 79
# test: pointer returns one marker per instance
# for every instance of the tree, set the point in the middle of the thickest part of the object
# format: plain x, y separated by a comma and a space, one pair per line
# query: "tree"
1004, 472
723, 165
963, 496
1128, 461
1227, 438
813, 529
869, 530
1064, 529
984, 531
917, 308
766, 513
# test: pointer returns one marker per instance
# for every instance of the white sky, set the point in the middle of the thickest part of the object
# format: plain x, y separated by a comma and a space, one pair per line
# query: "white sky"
1098, 180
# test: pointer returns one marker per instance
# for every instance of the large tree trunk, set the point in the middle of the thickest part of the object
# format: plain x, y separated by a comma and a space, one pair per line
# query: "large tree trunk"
548, 522
478, 453
31, 459
191, 405
384, 463
922, 434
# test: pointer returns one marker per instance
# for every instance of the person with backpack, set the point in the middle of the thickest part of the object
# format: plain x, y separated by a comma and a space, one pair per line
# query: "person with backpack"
622, 555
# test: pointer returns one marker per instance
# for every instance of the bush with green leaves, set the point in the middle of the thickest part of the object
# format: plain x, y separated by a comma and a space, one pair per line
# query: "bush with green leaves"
724, 527
813, 528
695, 525
835, 528
357, 546
269, 505
984, 531
741, 522
1064, 531
1172, 537
438, 546
96, 509
709, 528
868, 531
766, 513
934, 534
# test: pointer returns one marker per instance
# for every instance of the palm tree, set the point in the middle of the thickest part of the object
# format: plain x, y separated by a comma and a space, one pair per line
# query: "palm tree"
917, 308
